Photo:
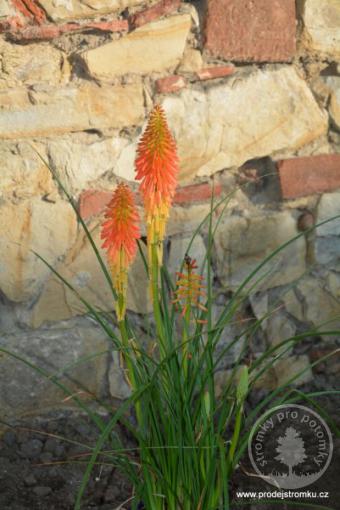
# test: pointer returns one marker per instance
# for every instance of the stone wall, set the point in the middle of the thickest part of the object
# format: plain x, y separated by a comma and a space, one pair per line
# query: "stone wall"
251, 90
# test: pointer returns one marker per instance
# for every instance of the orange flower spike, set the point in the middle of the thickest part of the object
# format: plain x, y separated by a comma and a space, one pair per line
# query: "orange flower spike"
157, 168
120, 232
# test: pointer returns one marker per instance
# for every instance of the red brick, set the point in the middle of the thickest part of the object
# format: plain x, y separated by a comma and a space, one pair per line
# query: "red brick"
12, 23
209, 73
304, 176
156, 11
196, 193
50, 31
251, 30
93, 202
30, 9
170, 84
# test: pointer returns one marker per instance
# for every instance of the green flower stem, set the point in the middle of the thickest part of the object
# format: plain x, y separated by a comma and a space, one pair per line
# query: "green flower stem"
235, 438
155, 274
130, 367
185, 338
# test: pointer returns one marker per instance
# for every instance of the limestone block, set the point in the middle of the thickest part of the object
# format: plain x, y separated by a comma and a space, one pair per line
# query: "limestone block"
322, 26
6, 9
40, 63
152, 47
70, 9
317, 304
327, 245
47, 111
287, 368
47, 228
78, 162
23, 174
213, 132
58, 351
191, 62
242, 244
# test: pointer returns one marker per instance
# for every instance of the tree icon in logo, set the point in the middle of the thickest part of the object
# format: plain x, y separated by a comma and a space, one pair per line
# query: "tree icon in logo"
291, 449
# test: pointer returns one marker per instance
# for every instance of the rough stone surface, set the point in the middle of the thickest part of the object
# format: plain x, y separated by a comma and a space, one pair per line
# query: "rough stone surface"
119, 387
5, 8
282, 114
83, 271
48, 111
153, 47
333, 83
327, 244
322, 25
191, 62
304, 176
242, 243
47, 228
243, 30
23, 174
287, 368
80, 162
70, 9
184, 220
55, 350
305, 304
279, 328
41, 64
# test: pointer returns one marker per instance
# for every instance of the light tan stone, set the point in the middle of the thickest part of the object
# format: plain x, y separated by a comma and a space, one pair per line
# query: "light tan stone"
6, 9
153, 47
70, 9
23, 174
288, 368
210, 127
47, 111
191, 62
47, 228
80, 163
332, 84
81, 268
319, 305
243, 243
184, 220
40, 63
322, 26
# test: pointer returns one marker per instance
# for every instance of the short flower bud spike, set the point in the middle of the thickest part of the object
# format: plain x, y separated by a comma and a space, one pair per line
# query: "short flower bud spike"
157, 169
190, 288
120, 232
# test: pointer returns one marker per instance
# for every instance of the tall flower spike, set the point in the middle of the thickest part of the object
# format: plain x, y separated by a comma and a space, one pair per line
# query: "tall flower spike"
120, 231
157, 168
190, 288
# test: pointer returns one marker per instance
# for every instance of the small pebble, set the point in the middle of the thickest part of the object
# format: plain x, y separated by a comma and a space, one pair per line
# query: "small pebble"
32, 448
30, 480
9, 438
41, 491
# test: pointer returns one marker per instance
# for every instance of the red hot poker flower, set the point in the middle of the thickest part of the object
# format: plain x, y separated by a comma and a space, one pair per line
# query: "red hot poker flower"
120, 231
157, 162
157, 168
